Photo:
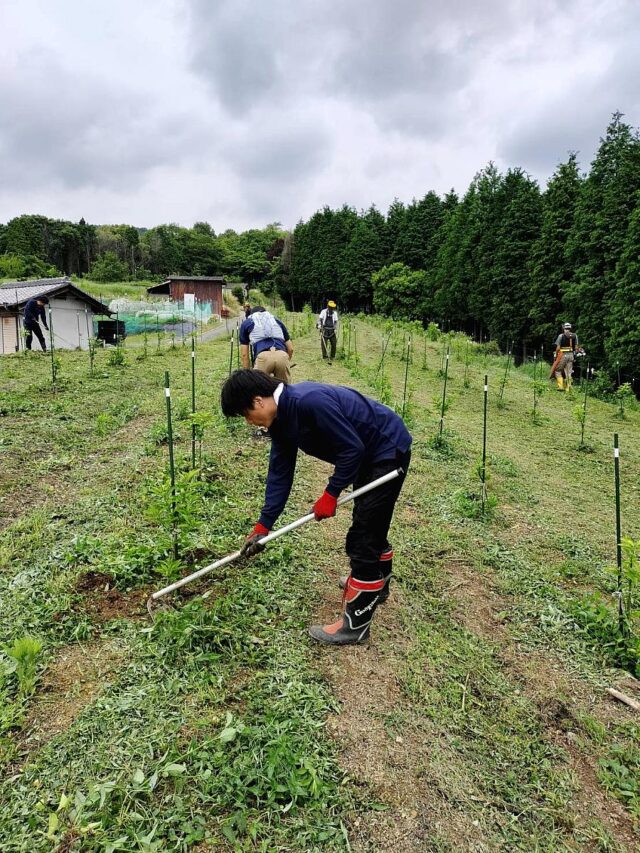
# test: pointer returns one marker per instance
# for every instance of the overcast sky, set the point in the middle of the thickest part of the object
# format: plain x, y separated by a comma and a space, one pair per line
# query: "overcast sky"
244, 112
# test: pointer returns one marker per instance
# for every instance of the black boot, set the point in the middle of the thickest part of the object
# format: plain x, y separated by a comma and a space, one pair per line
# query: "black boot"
386, 567
360, 600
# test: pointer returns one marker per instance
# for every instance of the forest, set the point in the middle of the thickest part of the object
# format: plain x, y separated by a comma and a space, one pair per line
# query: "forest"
506, 260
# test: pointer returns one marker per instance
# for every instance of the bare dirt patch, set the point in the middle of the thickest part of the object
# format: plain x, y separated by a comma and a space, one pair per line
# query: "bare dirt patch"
101, 601
388, 765
73, 680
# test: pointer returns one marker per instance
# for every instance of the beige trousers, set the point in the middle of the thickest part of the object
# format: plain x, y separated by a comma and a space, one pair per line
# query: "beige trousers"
275, 362
565, 368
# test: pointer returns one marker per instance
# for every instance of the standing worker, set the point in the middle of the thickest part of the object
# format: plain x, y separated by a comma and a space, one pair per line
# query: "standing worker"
33, 313
328, 325
566, 348
364, 440
269, 339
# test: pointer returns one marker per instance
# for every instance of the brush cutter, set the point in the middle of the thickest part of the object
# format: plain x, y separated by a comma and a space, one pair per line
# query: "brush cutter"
270, 537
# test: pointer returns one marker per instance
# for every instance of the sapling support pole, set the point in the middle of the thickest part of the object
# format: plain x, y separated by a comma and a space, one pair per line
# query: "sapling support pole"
384, 352
506, 374
583, 419
406, 376
237, 344
52, 349
172, 469
616, 471
231, 353
424, 354
484, 442
271, 537
444, 392
193, 401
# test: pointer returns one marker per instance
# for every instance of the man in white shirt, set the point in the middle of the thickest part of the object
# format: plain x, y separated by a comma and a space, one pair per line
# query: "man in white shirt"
328, 325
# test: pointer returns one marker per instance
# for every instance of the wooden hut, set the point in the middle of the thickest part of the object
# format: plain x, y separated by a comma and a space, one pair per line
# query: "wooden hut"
207, 290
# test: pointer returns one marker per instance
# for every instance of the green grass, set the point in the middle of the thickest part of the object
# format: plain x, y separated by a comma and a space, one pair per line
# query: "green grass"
212, 730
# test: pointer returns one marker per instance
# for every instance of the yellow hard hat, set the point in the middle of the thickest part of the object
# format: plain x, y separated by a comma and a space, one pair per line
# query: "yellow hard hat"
331, 304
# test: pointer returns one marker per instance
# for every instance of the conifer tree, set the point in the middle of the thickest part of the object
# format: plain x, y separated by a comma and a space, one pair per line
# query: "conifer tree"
598, 236
520, 203
550, 271
623, 336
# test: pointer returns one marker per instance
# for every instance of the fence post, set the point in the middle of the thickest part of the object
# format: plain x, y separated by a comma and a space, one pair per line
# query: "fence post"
172, 470
616, 470
193, 401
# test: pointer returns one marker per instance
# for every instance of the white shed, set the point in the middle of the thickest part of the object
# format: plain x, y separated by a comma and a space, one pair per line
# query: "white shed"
72, 312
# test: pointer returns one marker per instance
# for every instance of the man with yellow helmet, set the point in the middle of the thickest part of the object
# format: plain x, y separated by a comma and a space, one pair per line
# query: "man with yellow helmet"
328, 325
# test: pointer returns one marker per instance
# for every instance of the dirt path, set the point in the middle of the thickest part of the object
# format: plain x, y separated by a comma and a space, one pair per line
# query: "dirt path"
385, 749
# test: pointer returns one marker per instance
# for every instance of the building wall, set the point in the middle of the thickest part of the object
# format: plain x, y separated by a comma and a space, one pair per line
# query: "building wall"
8, 334
209, 292
72, 322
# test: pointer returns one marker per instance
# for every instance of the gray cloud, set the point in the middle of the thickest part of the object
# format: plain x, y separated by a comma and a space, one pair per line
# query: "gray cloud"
242, 111
77, 130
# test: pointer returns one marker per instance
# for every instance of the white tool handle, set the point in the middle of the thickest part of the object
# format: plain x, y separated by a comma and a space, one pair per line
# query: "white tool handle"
276, 533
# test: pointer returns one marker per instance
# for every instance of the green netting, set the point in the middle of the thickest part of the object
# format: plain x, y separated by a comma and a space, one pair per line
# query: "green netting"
165, 316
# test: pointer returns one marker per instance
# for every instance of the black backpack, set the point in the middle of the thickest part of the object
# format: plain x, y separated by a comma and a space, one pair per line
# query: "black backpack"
329, 323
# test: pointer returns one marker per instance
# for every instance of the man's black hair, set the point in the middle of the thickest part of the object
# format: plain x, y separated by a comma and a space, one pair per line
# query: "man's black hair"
256, 310
44, 299
240, 389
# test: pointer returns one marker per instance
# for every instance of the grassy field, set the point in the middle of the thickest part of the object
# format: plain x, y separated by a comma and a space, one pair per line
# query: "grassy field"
476, 719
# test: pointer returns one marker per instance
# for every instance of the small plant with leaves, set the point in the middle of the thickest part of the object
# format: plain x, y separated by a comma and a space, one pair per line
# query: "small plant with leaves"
624, 395
23, 655
117, 357
93, 347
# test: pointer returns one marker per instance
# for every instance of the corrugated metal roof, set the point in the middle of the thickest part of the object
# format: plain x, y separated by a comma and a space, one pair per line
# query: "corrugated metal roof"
34, 282
17, 292
14, 294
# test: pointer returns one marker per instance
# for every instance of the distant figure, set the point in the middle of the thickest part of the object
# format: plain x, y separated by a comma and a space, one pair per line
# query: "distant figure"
328, 325
247, 309
33, 313
566, 349
269, 340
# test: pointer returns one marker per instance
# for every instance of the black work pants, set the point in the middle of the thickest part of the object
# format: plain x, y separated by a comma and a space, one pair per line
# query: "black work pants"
372, 513
31, 330
328, 345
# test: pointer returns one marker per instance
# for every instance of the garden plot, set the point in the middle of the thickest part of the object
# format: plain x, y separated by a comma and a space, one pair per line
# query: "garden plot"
478, 716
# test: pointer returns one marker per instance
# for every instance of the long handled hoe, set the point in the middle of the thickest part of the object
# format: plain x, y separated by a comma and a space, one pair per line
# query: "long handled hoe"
266, 539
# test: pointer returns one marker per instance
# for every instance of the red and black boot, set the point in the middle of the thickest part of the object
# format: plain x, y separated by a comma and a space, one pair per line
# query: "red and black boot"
360, 599
386, 567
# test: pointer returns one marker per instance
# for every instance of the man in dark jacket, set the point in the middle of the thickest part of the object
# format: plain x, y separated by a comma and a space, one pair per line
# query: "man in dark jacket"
363, 440
33, 313
266, 339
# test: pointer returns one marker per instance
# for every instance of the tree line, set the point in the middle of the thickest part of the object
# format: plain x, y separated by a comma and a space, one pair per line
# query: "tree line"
506, 260
36, 246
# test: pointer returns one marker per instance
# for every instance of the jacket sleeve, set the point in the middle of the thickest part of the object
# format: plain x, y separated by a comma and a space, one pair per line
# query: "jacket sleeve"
282, 465
44, 316
330, 421
284, 330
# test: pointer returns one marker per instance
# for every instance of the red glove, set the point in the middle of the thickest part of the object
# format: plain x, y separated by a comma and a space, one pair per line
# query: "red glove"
252, 545
325, 506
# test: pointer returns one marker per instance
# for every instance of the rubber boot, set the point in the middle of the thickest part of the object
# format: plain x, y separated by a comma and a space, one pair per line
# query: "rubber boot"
386, 567
360, 600
560, 382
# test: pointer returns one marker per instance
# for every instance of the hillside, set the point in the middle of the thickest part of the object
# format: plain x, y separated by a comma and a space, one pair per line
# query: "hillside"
477, 717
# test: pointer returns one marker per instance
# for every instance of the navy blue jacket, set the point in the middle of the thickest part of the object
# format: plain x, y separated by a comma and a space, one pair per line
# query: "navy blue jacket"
265, 343
333, 423
33, 312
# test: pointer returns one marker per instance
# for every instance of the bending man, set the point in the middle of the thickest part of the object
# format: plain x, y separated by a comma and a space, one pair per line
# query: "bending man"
269, 339
33, 313
363, 440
